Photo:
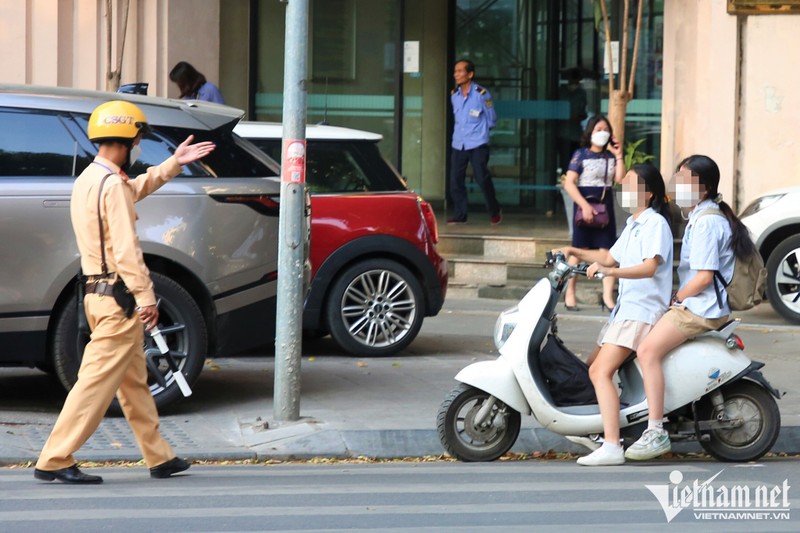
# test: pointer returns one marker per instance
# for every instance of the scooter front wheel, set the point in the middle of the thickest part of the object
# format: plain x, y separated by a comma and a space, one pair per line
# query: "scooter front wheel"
754, 420
469, 439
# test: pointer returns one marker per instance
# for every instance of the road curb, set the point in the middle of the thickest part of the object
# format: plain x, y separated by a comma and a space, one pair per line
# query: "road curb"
323, 443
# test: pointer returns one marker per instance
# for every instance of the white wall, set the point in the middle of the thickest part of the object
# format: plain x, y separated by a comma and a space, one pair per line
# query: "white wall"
699, 100
730, 92
769, 137
63, 42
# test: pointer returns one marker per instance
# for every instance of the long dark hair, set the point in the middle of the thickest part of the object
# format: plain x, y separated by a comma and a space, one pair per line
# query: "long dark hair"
188, 79
707, 172
654, 183
586, 137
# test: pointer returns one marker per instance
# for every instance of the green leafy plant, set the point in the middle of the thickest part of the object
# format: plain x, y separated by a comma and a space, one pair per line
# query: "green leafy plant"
634, 156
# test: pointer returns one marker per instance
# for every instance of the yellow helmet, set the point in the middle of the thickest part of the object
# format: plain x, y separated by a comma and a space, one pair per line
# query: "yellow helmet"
116, 119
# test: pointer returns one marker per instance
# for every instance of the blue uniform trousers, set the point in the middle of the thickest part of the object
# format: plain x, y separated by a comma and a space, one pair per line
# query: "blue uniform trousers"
479, 159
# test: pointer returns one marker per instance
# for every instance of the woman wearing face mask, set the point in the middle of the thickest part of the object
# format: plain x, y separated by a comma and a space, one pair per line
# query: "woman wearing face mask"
642, 260
710, 244
592, 172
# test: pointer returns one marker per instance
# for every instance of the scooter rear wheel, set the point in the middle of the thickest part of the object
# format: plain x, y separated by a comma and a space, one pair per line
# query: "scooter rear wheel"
469, 441
758, 423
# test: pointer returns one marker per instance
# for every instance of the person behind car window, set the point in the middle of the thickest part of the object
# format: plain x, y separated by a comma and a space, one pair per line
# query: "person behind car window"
592, 172
119, 297
474, 116
193, 85
710, 244
642, 260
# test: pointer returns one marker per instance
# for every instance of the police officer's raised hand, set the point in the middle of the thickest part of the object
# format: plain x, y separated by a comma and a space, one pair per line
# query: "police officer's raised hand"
148, 315
188, 153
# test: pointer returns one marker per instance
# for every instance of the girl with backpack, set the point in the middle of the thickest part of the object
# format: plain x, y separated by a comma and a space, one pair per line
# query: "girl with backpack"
642, 260
710, 245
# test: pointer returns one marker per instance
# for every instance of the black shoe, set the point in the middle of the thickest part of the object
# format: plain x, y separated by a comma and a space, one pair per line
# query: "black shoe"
453, 221
572, 307
71, 474
173, 466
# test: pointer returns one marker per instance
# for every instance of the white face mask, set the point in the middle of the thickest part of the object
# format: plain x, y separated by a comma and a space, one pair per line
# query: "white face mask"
136, 151
685, 196
600, 138
629, 200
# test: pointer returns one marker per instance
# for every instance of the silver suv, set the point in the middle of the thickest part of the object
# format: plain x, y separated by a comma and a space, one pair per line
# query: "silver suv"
208, 235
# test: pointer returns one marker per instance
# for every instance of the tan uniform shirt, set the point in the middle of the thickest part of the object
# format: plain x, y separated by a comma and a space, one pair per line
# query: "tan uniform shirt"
123, 253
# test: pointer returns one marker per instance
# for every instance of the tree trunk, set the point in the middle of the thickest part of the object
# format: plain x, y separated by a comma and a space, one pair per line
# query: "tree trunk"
113, 77
617, 106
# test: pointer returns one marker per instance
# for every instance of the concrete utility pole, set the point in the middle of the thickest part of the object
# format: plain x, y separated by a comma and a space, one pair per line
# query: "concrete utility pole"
291, 249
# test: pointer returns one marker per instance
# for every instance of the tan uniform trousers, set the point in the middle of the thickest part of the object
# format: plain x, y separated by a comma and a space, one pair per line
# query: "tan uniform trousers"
112, 362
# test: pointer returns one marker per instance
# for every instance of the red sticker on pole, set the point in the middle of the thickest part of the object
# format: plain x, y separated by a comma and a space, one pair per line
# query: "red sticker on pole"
294, 161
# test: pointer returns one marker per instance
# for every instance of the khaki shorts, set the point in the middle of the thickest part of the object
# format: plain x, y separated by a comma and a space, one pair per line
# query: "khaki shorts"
690, 324
626, 333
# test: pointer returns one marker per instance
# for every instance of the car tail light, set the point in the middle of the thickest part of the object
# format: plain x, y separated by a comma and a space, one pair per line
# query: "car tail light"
430, 219
261, 203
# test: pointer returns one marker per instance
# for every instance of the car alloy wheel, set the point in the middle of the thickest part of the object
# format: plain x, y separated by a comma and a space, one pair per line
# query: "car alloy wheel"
783, 278
375, 308
182, 325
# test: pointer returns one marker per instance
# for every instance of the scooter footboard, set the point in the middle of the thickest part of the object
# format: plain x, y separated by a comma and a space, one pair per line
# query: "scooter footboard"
496, 378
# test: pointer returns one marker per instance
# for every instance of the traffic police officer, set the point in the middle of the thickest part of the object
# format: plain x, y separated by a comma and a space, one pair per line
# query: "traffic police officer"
474, 117
113, 361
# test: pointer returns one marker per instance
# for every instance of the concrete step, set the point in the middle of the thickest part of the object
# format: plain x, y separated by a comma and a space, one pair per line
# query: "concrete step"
587, 293
475, 269
524, 249
506, 267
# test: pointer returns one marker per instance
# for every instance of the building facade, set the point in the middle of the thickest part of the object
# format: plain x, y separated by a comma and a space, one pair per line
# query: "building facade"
709, 79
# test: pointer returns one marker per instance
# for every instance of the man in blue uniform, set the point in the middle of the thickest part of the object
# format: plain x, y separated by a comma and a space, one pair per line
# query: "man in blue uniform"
474, 117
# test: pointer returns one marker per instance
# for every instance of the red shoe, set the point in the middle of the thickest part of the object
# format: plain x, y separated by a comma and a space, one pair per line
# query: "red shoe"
496, 219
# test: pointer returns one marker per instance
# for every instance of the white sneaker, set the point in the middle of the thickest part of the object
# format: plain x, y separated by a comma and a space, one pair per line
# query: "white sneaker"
593, 442
604, 456
651, 444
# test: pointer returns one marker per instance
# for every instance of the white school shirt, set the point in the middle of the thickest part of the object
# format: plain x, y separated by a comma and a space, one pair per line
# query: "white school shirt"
644, 300
706, 246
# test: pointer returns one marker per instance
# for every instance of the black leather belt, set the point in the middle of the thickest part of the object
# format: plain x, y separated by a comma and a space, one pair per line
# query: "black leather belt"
102, 287
99, 277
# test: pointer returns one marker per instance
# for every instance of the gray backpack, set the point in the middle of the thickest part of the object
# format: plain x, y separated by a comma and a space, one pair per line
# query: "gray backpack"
746, 287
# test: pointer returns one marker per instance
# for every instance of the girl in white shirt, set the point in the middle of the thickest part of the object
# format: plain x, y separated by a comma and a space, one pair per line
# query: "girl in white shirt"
642, 260
710, 243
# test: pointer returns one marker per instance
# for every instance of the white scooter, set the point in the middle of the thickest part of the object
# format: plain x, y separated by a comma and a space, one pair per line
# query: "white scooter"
713, 392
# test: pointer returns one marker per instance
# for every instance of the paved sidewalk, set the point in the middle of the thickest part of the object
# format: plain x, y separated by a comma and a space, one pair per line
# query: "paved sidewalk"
384, 407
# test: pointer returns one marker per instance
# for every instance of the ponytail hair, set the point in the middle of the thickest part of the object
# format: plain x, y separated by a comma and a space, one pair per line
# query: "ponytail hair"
654, 183
707, 172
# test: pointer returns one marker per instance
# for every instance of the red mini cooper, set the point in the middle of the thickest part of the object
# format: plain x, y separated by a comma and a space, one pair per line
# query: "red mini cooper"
375, 270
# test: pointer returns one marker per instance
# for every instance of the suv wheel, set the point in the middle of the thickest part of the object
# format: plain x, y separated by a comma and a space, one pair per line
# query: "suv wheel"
181, 323
783, 278
375, 308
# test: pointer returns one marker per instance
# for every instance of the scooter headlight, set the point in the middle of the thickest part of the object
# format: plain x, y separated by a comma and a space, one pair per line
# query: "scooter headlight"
504, 326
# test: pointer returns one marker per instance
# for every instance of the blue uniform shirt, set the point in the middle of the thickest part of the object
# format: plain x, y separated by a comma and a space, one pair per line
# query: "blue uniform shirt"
644, 300
474, 117
706, 246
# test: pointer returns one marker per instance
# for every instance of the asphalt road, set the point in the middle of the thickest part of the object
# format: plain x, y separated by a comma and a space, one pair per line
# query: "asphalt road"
509, 496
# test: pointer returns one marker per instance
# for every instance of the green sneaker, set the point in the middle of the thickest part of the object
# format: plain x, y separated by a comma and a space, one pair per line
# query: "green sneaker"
651, 444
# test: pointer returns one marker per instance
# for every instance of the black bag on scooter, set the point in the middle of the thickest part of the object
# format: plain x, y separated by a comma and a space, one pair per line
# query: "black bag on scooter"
567, 377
